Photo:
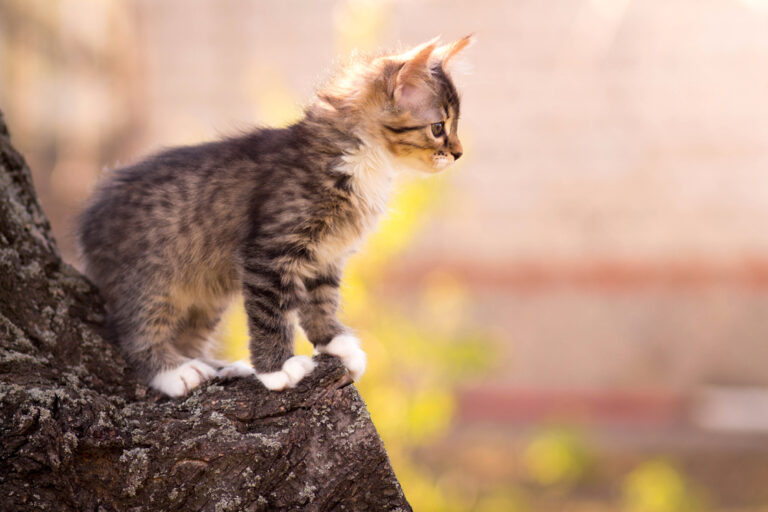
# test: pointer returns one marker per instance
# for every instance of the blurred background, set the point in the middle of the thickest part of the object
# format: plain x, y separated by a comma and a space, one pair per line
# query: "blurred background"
572, 318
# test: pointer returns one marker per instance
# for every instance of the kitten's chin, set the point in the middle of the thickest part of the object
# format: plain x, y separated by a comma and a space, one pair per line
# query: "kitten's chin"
420, 166
442, 163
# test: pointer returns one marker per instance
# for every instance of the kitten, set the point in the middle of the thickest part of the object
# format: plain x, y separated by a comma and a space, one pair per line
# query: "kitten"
272, 215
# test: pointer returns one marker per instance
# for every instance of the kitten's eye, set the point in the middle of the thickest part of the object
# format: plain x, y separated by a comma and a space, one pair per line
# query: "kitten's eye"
438, 129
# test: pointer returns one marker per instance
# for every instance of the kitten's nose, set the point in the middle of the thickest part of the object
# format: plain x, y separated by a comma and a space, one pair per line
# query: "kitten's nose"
456, 154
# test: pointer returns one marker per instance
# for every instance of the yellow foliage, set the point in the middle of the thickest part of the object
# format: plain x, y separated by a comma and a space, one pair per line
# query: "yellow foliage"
557, 456
656, 486
502, 500
233, 332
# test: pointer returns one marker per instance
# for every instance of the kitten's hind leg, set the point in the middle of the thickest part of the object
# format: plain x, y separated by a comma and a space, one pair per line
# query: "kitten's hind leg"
155, 339
166, 369
181, 380
197, 337
195, 340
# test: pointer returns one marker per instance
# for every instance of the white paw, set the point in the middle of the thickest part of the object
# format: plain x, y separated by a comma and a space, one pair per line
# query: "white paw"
347, 348
294, 369
297, 368
276, 381
236, 369
181, 380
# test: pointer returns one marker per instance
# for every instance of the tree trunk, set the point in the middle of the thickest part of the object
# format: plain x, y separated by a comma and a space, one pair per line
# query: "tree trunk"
80, 433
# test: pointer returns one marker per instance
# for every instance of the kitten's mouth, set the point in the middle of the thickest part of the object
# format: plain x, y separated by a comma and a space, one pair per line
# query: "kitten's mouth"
434, 165
442, 162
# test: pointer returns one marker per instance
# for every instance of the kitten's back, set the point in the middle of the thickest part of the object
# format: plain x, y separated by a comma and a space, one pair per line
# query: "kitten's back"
166, 206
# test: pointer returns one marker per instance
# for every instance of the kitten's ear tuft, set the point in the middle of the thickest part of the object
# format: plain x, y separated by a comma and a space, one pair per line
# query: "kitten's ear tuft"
410, 85
446, 52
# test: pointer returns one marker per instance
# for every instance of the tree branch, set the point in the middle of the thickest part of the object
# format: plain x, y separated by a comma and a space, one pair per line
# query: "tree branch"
80, 433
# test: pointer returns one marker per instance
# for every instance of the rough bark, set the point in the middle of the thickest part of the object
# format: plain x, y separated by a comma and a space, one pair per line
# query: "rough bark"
78, 432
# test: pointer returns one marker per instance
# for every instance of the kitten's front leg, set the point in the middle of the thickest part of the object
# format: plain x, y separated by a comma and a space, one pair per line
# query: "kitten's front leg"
317, 316
269, 300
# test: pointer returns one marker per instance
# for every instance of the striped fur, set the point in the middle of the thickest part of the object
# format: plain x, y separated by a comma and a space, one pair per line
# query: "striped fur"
271, 214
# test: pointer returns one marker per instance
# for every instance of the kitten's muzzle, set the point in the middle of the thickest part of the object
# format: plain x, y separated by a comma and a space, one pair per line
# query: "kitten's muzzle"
456, 154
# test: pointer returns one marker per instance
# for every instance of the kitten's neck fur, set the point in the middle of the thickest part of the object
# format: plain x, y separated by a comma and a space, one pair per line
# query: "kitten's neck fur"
372, 170
370, 166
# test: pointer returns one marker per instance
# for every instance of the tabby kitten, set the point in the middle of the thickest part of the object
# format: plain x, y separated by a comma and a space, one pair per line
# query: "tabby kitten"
272, 215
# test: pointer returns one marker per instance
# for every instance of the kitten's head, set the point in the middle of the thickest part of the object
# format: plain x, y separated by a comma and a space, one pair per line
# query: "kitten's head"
406, 103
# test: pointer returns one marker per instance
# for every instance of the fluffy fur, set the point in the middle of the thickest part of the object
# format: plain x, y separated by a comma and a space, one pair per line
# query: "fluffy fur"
272, 214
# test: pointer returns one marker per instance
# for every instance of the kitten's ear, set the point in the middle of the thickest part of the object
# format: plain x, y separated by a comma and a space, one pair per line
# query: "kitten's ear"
410, 84
446, 52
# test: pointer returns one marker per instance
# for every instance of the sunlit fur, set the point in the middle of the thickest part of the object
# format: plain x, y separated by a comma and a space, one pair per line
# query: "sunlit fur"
383, 98
271, 214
